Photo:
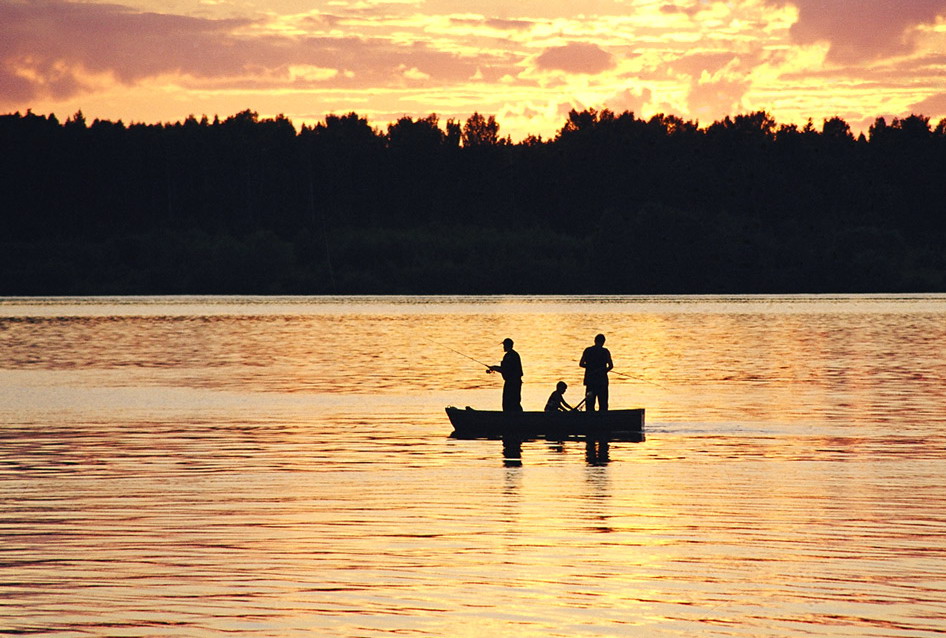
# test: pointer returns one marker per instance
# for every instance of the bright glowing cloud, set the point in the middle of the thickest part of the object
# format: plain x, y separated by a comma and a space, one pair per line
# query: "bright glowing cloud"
526, 62
414, 73
311, 73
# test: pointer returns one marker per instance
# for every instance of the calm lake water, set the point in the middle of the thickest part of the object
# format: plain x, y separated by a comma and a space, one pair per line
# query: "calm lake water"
243, 466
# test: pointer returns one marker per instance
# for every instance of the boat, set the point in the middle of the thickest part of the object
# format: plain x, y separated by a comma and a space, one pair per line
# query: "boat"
615, 425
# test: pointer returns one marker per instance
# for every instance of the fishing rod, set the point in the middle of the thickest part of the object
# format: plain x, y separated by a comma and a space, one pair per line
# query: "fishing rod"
631, 376
489, 367
443, 345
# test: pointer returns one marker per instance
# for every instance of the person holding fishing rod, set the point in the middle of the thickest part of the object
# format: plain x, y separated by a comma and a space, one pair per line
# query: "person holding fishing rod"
511, 369
596, 360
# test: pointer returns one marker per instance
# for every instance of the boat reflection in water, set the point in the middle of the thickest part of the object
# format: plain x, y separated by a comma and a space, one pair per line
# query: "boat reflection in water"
597, 429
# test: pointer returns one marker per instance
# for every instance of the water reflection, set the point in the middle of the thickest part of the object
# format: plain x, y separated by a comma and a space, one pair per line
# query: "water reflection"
512, 451
283, 468
597, 448
597, 451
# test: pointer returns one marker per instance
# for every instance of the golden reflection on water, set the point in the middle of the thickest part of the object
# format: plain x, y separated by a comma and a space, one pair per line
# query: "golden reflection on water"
281, 467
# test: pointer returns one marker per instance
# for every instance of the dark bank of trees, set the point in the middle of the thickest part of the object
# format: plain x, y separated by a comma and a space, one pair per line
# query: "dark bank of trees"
611, 204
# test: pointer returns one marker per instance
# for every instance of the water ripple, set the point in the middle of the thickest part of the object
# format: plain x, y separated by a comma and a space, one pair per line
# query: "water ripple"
198, 467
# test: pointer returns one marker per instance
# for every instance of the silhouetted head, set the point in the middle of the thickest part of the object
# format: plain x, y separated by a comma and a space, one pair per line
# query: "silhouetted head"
507, 344
599, 340
561, 386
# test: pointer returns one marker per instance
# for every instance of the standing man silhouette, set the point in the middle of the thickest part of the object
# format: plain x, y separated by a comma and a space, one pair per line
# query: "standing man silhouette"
596, 360
511, 369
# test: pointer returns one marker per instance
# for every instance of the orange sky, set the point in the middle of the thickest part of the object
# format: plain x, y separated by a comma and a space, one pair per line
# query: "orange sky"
527, 62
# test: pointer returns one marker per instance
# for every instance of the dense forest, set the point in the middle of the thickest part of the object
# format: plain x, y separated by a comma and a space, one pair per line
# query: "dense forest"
612, 204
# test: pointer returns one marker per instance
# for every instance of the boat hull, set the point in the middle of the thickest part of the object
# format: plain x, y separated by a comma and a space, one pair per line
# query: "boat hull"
490, 424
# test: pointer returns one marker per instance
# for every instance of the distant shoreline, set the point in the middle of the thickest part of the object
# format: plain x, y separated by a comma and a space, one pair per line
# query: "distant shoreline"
612, 205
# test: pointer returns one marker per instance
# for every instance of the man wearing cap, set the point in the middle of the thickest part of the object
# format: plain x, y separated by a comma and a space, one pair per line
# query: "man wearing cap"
511, 369
596, 360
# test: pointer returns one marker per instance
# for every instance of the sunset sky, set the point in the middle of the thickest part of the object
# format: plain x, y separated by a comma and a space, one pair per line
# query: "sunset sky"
527, 62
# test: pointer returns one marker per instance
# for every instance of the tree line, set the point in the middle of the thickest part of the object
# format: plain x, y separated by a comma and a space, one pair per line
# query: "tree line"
613, 203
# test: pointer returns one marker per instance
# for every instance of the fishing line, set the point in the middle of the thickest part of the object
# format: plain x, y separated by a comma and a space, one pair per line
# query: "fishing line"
443, 345
636, 378
488, 367
630, 376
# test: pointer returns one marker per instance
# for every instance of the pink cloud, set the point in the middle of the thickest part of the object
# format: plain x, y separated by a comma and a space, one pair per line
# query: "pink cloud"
534, 10
934, 107
48, 40
45, 47
694, 64
927, 69
321, 21
495, 23
576, 57
14, 89
864, 30
628, 100
514, 25
713, 100
670, 9
564, 108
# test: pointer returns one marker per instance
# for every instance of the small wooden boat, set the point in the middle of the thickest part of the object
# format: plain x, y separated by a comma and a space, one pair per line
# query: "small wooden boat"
616, 425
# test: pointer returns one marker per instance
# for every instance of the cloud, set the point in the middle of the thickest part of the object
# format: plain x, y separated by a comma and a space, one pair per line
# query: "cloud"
671, 9
700, 58
630, 100
321, 22
717, 98
414, 73
511, 25
495, 23
865, 30
53, 45
564, 108
311, 73
534, 9
14, 88
576, 57
51, 49
934, 107
696, 63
